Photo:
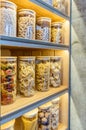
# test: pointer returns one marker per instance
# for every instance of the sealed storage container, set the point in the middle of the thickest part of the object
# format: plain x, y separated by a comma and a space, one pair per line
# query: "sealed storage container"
60, 5
42, 73
30, 120
26, 23
8, 18
55, 114
43, 29
48, 2
8, 126
8, 79
55, 71
57, 35
26, 75
44, 117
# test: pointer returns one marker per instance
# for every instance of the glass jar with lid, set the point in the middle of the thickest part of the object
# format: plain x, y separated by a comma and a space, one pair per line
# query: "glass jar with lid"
26, 75
8, 79
8, 126
60, 5
26, 23
42, 73
30, 120
55, 71
44, 117
8, 18
55, 114
43, 29
57, 35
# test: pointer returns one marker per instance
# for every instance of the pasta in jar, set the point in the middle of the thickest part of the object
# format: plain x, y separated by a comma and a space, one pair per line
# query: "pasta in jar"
26, 75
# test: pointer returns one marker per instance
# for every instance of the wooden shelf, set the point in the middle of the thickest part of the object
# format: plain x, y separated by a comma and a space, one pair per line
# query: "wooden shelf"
14, 42
23, 104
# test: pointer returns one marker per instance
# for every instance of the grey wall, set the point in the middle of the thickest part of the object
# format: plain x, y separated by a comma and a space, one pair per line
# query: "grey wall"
78, 72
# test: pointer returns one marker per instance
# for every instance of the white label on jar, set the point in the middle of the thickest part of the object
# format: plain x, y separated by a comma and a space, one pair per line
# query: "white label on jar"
29, 33
9, 29
45, 33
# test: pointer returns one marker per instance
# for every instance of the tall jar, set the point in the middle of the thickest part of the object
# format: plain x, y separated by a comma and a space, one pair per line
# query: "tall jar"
26, 23
60, 5
30, 120
55, 71
26, 76
44, 117
57, 35
42, 73
48, 2
8, 18
8, 79
55, 114
43, 29
8, 126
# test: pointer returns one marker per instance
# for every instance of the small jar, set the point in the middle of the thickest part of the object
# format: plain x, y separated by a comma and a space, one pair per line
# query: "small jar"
26, 75
55, 71
42, 73
26, 23
48, 2
43, 29
55, 114
8, 18
44, 117
57, 35
30, 120
60, 5
8, 126
8, 79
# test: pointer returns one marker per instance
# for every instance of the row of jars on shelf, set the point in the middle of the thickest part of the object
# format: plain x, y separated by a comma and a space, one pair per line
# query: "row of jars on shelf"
45, 117
33, 74
28, 26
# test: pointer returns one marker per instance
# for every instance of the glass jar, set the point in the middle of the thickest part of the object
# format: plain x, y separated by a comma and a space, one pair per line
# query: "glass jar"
43, 29
60, 5
26, 75
57, 33
48, 2
55, 114
44, 117
55, 71
8, 79
8, 18
30, 120
26, 23
8, 126
42, 73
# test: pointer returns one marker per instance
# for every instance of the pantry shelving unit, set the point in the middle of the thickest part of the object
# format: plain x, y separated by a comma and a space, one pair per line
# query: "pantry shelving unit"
14, 46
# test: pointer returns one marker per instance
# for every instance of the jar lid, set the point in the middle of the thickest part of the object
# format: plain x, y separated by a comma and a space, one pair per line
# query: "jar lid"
56, 100
44, 18
31, 114
45, 106
43, 57
23, 11
4, 2
6, 58
56, 24
55, 57
26, 58
8, 124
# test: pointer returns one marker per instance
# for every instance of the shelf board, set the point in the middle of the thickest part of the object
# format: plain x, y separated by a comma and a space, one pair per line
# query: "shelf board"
51, 9
23, 104
15, 42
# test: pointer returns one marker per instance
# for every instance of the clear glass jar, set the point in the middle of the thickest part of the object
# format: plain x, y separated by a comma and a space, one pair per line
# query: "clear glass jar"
26, 75
60, 5
44, 117
8, 79
8, 126
48, 2
30, 120
42, 73
26, 23
8, 18
57, 35
43, 29
55, 114
55, 71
